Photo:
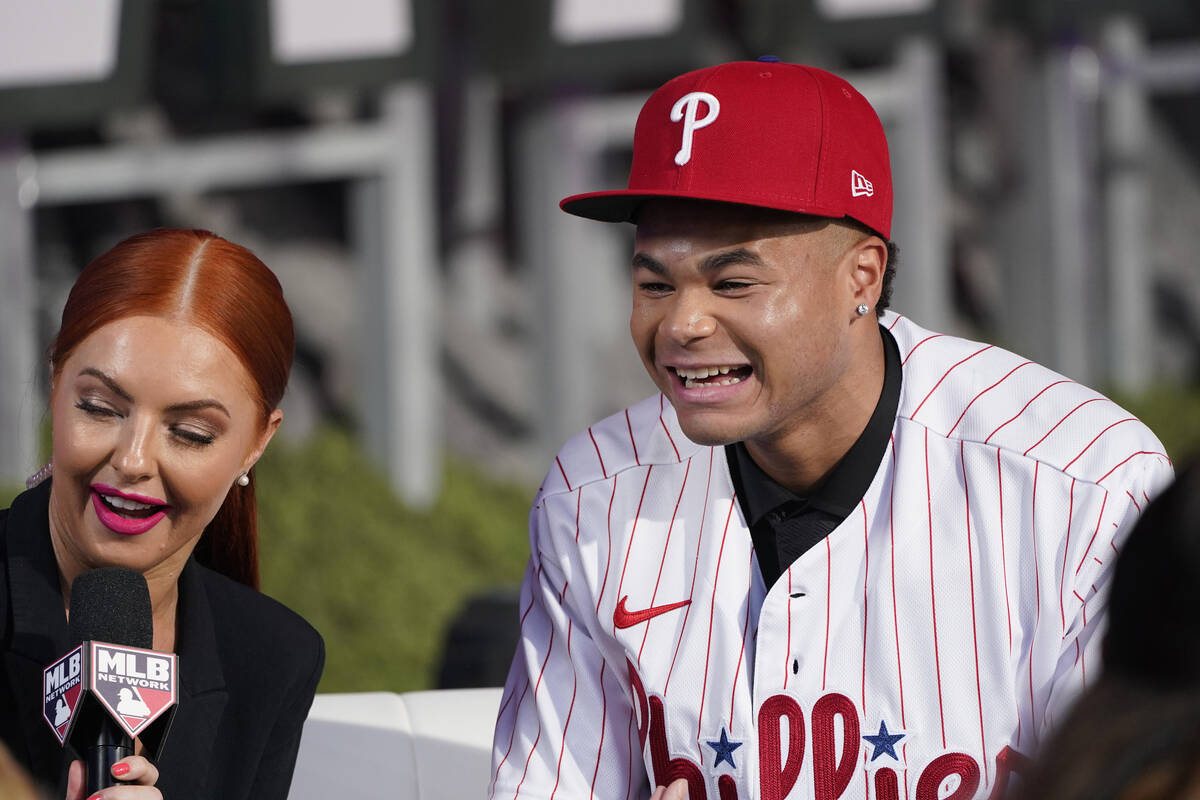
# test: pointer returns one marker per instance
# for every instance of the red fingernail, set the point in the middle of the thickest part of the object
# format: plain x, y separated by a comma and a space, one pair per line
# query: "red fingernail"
96, 796
118, 770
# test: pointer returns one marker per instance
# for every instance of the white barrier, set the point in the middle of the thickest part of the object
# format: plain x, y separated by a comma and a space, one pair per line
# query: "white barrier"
432, 745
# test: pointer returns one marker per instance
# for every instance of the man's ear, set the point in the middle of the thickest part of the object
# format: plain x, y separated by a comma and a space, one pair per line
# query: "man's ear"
868, 263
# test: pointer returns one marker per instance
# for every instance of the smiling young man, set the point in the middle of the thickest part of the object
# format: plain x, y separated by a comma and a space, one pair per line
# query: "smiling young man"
838, 556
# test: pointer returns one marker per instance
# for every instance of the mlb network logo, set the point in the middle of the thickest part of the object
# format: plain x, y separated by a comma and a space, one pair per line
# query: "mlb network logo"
860, 186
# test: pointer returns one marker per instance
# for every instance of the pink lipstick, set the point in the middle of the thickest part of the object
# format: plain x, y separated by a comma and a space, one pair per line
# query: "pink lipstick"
125, 513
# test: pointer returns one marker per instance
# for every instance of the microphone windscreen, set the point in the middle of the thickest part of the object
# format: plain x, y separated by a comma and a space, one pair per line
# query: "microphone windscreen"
111, 604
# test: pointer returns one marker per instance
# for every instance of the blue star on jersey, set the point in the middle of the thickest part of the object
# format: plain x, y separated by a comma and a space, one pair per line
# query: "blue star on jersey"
724, 749
884, 742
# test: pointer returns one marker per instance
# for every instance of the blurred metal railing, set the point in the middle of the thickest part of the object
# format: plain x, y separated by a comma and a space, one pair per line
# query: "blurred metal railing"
390, 162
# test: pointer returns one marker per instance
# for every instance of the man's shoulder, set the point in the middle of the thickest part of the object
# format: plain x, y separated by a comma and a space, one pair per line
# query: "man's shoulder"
647, 433
972, 391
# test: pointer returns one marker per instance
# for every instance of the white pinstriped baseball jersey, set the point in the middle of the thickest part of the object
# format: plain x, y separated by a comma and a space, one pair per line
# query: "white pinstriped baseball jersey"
920, 651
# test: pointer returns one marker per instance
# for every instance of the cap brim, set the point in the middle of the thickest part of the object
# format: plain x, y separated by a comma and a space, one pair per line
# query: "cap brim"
621, 205
613, 206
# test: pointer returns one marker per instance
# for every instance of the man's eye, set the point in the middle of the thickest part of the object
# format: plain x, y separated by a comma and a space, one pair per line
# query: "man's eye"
654, 288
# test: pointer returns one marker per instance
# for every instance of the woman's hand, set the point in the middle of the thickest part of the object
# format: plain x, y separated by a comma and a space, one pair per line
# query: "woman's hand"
139, 772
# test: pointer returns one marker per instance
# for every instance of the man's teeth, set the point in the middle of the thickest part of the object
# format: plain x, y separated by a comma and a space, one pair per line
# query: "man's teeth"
691, 377
126, 504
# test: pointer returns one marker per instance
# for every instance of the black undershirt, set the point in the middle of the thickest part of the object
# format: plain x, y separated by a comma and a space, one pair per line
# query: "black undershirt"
783, 524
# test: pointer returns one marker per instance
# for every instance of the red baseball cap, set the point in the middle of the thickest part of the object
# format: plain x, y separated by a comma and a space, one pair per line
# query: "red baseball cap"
758, 133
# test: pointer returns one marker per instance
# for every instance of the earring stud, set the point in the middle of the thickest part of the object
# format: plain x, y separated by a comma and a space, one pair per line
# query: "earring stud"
243, 479
862, 309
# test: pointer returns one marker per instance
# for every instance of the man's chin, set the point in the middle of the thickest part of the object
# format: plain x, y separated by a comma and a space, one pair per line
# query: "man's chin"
710, 432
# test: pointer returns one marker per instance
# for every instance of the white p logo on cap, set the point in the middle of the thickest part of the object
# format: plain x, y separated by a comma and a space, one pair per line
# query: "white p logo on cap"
685, 109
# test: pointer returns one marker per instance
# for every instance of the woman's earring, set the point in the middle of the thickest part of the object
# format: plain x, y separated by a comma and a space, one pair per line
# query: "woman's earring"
39, 476
243, 479
862, 309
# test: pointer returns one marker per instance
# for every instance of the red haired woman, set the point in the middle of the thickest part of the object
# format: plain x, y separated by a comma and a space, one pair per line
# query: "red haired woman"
167, 373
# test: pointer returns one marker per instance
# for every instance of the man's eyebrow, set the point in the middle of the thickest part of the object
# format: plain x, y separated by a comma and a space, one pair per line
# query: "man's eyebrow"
643, 261
709, 265
740, 255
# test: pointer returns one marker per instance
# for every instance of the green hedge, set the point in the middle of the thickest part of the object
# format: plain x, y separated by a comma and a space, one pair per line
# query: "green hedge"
379, 580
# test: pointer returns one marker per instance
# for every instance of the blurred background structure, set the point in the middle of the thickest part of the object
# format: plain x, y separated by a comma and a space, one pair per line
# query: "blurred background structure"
398, 163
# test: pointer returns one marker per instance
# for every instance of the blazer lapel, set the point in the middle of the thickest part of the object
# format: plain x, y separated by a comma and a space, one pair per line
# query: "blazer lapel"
40, 633
188, 750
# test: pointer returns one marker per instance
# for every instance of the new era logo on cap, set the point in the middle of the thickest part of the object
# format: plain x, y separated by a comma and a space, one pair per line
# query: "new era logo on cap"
767, 134
860, 186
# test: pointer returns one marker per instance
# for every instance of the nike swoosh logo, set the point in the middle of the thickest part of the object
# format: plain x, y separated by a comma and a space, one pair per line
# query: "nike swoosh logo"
623, 618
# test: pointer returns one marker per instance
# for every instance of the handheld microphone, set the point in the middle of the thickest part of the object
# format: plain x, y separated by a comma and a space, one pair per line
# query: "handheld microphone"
111, 686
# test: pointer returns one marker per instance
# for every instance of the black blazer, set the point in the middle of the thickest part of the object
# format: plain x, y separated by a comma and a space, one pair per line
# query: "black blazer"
248, 670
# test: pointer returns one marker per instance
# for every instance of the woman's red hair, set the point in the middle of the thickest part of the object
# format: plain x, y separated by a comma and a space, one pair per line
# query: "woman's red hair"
222, 288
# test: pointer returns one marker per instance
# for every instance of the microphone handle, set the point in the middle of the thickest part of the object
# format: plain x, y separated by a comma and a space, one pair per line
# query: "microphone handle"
111, 745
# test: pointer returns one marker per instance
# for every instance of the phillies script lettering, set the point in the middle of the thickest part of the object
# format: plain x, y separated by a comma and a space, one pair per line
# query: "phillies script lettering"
783, 737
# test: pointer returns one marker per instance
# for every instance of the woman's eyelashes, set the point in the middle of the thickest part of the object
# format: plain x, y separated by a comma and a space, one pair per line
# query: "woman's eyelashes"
187, 434
95, 409
193, 437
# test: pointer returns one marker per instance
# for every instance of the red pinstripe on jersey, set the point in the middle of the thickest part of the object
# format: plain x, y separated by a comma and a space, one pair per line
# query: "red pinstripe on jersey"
1003, 548
967, 408
666, 546
608, 551
666, 430
937, 658
828, 604
945, 375
599, 457
632, 536
962, 457
1062, 581
536, 739
929, 338
895, 605
866, 600
737, 671
711, 617
633, 442
1020, 413
1098, 435
511, 738
1126, 460
562, 748
1062, 420
578, 505
1037, 583
786, 666
630, 736
603, 719
1095, 533
563, 472
695, 571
